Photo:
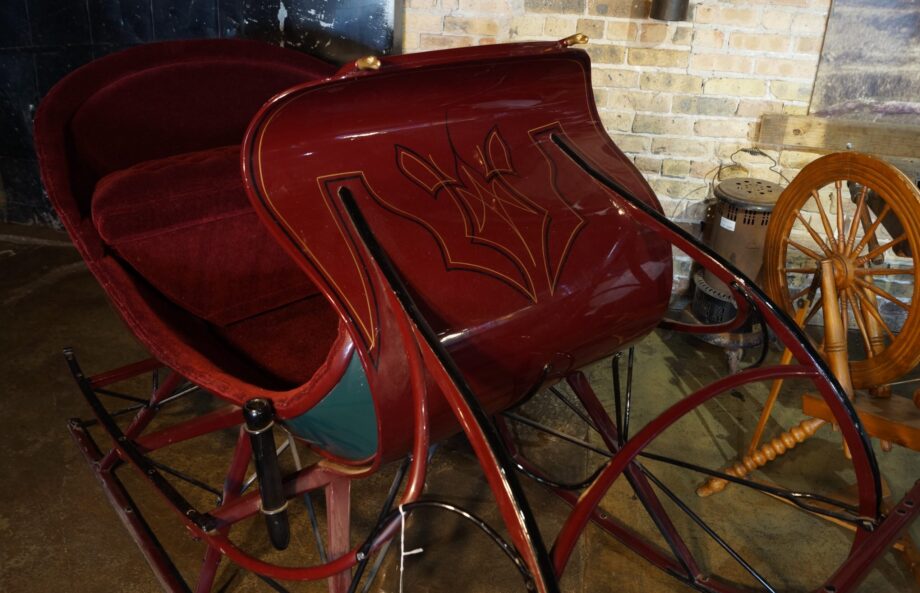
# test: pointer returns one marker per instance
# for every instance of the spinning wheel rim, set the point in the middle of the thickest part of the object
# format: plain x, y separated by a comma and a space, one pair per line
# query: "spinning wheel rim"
899, 195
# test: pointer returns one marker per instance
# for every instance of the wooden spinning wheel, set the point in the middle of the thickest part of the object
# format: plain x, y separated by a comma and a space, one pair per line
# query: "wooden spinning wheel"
815, 220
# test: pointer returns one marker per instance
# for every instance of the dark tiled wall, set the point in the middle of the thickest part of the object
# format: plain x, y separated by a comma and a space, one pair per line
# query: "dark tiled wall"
42, 40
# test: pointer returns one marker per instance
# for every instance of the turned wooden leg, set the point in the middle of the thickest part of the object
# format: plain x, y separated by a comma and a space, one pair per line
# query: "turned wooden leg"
338, 514
764, 454
835, 347
785, 359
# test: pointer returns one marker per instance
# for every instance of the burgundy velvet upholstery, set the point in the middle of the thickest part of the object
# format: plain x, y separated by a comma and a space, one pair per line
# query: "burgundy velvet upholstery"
139, 153
295, 357
175, 108
185, 224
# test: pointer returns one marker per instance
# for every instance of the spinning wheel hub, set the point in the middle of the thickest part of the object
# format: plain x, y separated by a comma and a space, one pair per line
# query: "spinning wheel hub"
844, 271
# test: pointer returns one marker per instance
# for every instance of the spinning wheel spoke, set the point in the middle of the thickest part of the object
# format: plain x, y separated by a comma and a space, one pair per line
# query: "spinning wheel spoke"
882, 293
860, 322
809, 290
814, 235
804, 250
800, 271
870, 232
857, 217
880, 250
838, 185
815, 307
870, 307
885, 271
824, 220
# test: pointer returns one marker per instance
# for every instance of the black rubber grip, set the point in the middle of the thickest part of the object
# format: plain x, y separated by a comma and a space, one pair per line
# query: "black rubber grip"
259, 420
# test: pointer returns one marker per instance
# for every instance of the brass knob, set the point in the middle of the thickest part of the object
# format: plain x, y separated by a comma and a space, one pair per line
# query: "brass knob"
368, 63
576, 39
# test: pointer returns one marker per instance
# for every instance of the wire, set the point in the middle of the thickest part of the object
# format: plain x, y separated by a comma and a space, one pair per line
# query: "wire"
757, 152
400, 513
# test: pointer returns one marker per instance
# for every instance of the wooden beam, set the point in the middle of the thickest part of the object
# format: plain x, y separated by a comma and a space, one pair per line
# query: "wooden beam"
817, 134
894, 419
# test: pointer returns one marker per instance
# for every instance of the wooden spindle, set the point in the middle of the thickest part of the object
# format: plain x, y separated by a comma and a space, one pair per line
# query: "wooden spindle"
767, 452
786, 358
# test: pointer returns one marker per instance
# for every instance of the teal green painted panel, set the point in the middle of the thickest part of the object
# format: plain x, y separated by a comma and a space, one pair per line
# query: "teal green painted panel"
344, 422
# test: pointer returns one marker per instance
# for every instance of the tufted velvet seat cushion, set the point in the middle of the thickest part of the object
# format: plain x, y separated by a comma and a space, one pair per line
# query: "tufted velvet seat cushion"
140, 154
184, 223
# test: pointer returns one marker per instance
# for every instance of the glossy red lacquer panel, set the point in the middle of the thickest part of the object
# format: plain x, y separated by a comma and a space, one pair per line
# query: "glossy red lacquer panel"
519, 260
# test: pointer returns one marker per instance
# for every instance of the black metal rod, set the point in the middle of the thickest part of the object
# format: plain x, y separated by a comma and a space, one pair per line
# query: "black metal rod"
114, 414
128, 447
502, 459
124, 396
630, 359
756, 318
556, 433
707, 529
364, 554
792, 496
376, 567
780, 315
314, 527
663, 521
178, 395
508, 549
130, 515
187, 478
617, 396
260, 421
795, 497
547, 481
581, 414
275, 585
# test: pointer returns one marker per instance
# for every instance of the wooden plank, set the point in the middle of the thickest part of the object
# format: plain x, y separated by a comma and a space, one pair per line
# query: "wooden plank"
806, 133
894, 419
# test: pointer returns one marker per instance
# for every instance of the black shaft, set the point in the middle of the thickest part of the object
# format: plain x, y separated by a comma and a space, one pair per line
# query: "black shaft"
259, 423
669, 10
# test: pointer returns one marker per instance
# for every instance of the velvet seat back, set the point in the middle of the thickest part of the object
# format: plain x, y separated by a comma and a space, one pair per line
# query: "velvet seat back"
150, 102
175, 108
155, 101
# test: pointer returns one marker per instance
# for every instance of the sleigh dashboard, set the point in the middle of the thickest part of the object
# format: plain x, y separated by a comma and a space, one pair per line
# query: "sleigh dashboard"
451, 159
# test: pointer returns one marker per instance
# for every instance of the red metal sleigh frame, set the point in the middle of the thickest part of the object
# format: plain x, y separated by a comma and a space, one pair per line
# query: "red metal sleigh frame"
431, 369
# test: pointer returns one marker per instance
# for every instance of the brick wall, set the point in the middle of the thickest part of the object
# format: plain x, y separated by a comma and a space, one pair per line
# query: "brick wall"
679, 98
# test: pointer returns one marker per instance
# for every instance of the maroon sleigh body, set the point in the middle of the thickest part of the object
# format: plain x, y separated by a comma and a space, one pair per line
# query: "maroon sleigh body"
369, 260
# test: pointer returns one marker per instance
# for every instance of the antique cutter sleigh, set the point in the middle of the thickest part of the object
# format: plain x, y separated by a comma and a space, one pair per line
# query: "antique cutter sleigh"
414, 245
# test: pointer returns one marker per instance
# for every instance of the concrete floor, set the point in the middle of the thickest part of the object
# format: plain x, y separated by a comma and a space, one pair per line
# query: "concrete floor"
58, 534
